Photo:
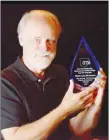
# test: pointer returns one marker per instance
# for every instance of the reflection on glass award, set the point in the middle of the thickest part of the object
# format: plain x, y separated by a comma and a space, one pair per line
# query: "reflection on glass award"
84, 67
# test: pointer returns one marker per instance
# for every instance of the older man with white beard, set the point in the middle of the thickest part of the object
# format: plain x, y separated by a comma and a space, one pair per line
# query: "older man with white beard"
37, 96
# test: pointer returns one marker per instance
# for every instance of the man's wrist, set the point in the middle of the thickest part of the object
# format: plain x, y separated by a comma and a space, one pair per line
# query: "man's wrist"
63, 111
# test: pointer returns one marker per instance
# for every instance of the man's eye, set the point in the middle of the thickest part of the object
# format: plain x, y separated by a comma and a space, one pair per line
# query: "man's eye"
37, 40
51, 41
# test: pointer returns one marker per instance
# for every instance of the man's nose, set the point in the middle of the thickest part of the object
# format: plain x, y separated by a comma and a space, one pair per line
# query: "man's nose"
44, 46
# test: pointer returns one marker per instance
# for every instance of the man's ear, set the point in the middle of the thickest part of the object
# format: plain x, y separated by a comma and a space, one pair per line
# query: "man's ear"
20, 40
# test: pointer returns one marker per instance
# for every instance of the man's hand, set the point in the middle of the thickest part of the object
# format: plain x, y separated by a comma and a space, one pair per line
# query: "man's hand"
73, 103
86, 120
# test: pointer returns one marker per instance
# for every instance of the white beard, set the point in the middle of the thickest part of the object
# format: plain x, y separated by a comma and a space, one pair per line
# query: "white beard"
42, 64
37, 63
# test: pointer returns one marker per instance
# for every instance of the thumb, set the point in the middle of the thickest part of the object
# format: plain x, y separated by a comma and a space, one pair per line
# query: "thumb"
99, 97
71, 86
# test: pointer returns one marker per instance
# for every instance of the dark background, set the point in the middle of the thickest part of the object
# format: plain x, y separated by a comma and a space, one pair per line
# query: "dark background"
77, 18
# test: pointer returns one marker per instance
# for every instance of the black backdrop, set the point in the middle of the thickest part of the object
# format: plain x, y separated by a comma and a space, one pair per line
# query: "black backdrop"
77, 18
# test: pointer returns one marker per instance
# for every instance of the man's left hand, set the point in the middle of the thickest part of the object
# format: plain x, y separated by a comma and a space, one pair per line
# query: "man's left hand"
88, 119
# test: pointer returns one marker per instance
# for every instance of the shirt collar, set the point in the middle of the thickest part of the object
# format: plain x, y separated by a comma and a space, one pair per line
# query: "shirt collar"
27, 74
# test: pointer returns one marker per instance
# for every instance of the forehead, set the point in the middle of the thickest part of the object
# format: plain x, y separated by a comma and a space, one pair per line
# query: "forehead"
38, 26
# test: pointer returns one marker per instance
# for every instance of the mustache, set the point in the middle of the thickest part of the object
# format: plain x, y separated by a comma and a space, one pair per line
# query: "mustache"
43, 54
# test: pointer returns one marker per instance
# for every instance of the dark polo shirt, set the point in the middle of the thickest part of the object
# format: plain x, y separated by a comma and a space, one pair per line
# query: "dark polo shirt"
25, 98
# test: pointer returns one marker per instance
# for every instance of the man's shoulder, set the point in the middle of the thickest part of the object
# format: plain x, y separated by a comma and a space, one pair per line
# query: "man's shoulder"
9, 67
10, 74
7, 70
12, 68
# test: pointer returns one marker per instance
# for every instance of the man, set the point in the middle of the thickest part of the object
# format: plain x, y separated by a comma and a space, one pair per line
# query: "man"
37, 101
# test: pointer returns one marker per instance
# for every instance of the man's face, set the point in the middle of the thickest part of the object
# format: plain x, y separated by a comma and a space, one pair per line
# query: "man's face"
39, 44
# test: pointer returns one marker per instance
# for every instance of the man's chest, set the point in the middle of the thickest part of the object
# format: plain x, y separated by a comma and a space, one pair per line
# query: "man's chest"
40, 99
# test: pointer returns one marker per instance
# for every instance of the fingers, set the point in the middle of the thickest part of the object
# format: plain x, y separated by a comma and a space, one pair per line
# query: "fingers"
100, 84
99, 97
101, 75
88, 98
88, 105
102, 72
89, 102
71, 86
72, 83
88, 90
100, 80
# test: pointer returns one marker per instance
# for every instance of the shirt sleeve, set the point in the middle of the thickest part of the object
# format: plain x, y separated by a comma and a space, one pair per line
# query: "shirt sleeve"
13, 111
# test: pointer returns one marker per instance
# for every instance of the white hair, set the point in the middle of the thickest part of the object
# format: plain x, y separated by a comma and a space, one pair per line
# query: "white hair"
43, 13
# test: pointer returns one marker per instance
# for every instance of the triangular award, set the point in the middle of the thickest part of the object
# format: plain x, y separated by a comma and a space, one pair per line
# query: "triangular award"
84, 67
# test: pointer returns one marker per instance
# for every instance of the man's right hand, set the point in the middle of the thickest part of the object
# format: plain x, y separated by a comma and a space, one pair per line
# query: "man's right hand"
72, 103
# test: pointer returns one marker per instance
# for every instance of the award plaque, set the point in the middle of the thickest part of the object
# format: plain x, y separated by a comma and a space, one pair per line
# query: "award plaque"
84, 67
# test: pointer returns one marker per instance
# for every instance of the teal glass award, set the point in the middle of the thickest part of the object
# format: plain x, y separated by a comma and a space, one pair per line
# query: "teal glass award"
84, 67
